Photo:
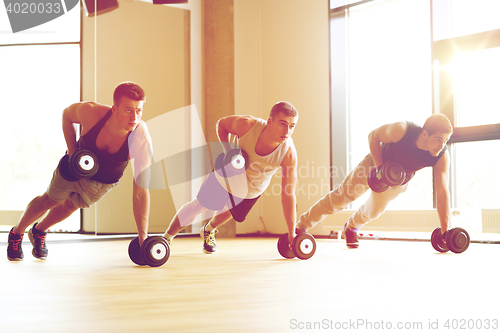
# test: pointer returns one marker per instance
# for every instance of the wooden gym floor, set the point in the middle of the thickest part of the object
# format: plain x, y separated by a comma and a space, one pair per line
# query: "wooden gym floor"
92, 286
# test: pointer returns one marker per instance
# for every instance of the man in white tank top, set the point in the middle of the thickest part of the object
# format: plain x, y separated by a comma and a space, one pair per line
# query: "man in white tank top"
269, 146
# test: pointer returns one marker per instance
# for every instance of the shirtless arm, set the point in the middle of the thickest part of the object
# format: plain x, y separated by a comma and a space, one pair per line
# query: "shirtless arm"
289, 184
385, 134
441, 183
141, 150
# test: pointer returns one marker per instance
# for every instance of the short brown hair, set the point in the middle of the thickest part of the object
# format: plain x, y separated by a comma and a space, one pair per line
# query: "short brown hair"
284, 107
438, 123
128, 89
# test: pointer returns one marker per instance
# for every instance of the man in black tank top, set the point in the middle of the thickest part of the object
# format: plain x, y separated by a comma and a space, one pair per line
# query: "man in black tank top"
405, 143
115, 135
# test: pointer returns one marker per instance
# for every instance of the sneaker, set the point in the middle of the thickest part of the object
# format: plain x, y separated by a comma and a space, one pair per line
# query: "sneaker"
37, 238
14, 249
351, 237
209, 245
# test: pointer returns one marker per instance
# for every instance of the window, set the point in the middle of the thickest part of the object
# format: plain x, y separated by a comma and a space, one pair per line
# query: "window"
388, 79
40, 76
476, 182
466, 55
476, 80
397, 60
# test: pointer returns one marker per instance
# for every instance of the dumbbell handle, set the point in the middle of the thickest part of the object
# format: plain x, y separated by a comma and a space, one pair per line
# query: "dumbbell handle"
384, 176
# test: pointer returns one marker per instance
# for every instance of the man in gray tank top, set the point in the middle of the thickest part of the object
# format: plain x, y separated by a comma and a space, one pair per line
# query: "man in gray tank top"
269, 147
412, 147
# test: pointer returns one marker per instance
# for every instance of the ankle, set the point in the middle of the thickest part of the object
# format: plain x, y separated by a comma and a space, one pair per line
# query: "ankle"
36, 230
208, 227
16, 231
351, 228
168, 236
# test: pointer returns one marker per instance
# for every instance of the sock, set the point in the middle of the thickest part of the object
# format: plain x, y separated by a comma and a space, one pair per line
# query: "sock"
353, 229
208, 227
168, 236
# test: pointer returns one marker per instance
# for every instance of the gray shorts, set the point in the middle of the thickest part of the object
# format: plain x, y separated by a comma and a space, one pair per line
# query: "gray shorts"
82, 193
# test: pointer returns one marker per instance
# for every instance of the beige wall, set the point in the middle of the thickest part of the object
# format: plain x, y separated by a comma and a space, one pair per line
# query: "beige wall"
281, 53
143, 43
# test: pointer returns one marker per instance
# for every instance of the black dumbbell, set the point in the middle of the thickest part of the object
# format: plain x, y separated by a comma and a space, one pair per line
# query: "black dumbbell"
153, 252
235, 162
134, 252
385, 176
457, 240
81, 164
437, 241
303, 246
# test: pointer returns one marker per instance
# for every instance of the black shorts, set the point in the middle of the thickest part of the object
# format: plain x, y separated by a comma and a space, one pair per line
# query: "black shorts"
214, 196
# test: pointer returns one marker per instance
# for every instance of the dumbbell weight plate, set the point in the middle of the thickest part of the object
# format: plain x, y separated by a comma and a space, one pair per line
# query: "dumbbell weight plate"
83, 163
219, 164
437, 241
304, 246
63, 167
283, 248
393, 173
375, 182
134, 252
236, 162
155, 251
458, 240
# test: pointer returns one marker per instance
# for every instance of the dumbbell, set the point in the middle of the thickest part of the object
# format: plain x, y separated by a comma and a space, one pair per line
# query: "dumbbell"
81, 164
457, 240
235, 162
303, 246
153, 252
385, 176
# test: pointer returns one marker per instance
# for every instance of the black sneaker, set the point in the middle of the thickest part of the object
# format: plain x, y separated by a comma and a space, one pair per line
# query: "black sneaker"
209, 245
14, 249
37, 238
351, 237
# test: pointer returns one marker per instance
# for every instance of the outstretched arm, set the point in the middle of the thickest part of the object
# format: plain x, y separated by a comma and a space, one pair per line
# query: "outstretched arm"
441, 183
141, 150
288, 187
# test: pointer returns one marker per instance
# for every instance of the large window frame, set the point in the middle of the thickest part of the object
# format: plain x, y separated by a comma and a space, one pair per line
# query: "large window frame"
443, 92
346, 136
13, 216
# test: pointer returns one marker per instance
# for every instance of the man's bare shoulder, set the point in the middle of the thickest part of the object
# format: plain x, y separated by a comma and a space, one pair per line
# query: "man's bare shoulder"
238, 125
89, 114
397, 130
92, 109
246, 122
